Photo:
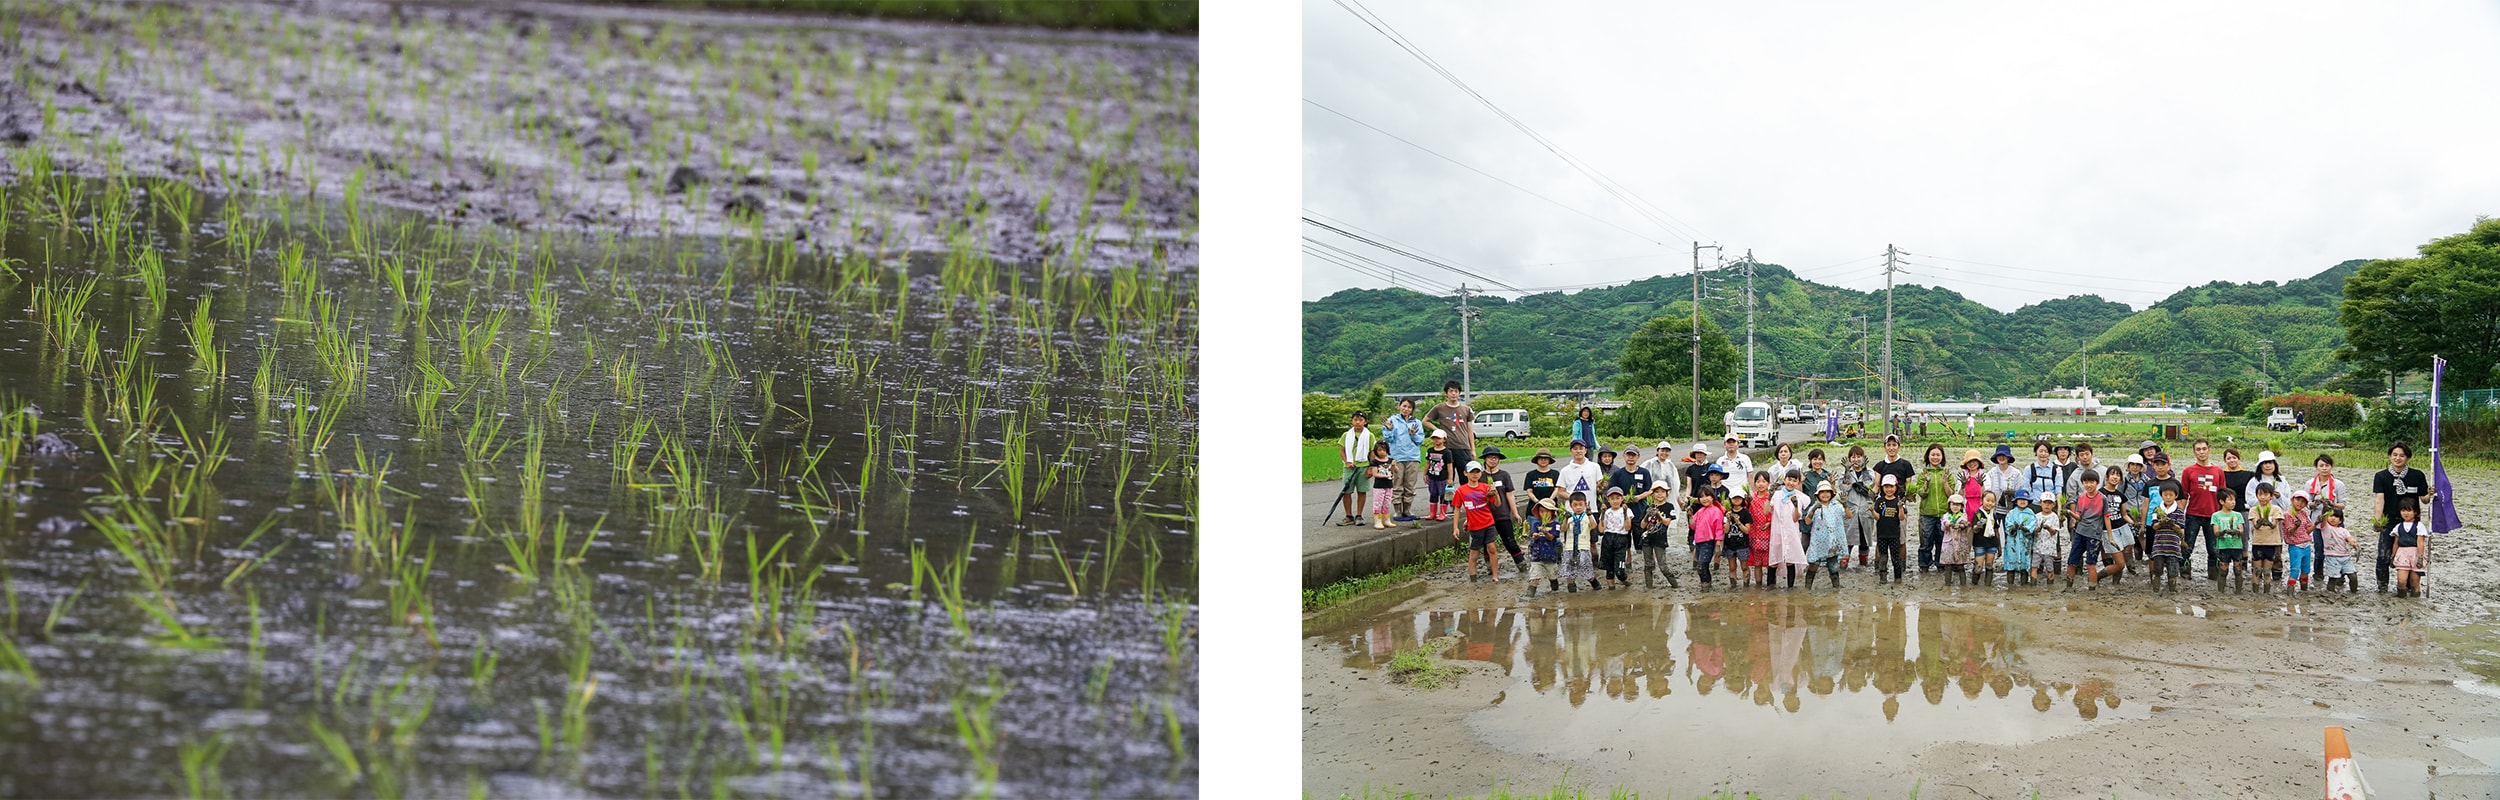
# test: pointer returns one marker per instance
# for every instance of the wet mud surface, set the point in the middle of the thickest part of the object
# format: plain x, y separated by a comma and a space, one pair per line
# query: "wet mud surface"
844, 135
1959, 692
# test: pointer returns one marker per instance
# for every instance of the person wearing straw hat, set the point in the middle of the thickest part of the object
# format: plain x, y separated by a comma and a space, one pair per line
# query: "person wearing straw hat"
1544, 542
1543, 479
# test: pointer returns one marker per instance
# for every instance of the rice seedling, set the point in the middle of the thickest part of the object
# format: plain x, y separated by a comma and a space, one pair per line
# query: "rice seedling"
14, 662
151, 273
206, 357
972, 708
200, 759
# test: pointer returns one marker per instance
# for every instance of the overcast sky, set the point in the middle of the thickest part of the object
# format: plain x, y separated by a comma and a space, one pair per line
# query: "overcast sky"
2121, 149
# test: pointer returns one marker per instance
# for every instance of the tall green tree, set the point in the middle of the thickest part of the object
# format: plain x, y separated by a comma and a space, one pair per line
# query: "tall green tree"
2399, 312
1660, 353
2234, 395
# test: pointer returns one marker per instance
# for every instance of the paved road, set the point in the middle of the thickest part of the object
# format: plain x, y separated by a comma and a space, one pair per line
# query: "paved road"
1320, 532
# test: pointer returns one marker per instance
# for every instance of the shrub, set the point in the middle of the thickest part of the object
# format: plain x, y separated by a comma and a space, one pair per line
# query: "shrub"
1324, 417
2333, 412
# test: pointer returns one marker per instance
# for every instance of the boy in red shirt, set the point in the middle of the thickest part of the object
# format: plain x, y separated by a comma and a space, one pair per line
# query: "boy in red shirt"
1474, 502
2201, 480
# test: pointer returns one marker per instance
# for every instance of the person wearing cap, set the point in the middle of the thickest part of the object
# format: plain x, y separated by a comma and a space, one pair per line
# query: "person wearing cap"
1439, 462
2021, 524
2203, 480
1473, 506
1890, 510
1788, 521
2130, 486
1953, 554
1354, 448
1663, 468
1605, 464
1405, 435
1505, 493
1829, 539
1544, 541
1634, 481
1579, 475
1894, 464
1584, 428
1614, 528
1858, 487
1709, 527
1657, 532
1738, 465
2268, 470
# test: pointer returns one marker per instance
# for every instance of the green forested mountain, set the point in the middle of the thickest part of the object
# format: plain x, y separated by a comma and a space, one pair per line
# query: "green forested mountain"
1943, 343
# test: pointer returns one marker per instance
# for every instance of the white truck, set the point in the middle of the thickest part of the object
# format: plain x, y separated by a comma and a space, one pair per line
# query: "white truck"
2282, 419
1789, 413
1754, 424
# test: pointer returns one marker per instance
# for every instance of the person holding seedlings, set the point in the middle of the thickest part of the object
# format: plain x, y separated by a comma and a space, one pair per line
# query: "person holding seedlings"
1544, 479
1737, 543
1436, 473
1383, 476
2089, 519
1935, 482
1405, 435
1657, 530
1544, 545
1953, 553
2268, 471
2265, 535
2048, 540
1579, 535
2325, 492
1889, 507
1758, 531
1504, 494
2203, 481
1696, 473
1354, 447
1788, 518
1614, 526
2044, 477
1894, 465
1474, 508
1633, 480
2004, 479
1830, 537
2020, 523
2230, 540
2335, 548
2412, 547
1708, 527
2168, 549
1974, 482
2121, 528
1858, 490
2394, 489
1816, 475
2299, 543
1986, 541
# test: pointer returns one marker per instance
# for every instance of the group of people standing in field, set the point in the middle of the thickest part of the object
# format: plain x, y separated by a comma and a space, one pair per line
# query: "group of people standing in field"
1975, 520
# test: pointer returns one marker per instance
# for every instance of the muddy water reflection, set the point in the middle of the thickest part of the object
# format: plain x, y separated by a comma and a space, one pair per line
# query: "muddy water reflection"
1792, 657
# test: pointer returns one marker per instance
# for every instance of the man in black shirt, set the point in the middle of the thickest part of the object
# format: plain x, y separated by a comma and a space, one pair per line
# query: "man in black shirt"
1503, 495
2392, 490
1633, 480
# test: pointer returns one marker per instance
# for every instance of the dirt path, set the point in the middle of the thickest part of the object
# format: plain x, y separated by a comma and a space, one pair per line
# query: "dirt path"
861, 137
1963, 693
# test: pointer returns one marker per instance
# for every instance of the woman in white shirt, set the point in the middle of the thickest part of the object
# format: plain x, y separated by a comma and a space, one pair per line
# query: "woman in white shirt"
1784, 461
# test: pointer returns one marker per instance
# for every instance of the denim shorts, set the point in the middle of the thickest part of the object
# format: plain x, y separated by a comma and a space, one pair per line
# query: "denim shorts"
1986, 551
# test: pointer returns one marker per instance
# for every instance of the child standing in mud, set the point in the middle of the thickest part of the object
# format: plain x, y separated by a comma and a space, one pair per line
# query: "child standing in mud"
1986, 540
2412, 543
1708, 526
1474, 509
1656, 527
1578, 536
1544, 545
1758, 532
2265, 535
2121, 528
2019, 525
1889, 509
2299, 547
1830, 535
2167, 548
1615, 543
1954, 552
2335, 552
2230, 541
2048, 545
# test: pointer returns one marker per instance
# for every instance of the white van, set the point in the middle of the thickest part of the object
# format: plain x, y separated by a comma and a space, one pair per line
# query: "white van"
1754, 424
1508, 423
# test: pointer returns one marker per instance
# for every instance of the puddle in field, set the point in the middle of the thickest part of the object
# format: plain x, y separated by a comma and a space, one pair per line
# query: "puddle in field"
1770, 670
745, 458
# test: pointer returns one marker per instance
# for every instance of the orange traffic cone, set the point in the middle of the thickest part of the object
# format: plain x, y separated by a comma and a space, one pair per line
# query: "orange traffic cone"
2343, 777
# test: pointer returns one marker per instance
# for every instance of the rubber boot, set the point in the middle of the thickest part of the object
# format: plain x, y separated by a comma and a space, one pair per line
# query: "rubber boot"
2237, 578
1670, 578
1594, 586
1553, 584
1809, 579
1835, 579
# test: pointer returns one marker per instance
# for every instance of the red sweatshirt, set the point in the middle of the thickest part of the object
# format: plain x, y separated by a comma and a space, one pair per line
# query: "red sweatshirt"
2201, 482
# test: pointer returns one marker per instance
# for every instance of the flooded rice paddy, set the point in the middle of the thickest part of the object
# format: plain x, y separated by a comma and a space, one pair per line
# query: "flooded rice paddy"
310, 498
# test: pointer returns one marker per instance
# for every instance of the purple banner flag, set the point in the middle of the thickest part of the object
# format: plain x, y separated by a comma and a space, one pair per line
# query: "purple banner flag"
2443, 509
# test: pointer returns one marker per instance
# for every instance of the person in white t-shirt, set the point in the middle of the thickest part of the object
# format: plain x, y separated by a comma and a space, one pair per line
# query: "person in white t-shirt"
1735, 461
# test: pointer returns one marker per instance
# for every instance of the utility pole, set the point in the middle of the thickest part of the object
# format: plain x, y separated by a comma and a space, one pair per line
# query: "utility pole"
1860, 321
1696, 342
1748, 324
1466, 356
1892, 264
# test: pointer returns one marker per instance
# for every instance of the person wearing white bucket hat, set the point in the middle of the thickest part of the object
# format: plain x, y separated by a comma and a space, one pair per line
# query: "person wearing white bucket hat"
2268, 470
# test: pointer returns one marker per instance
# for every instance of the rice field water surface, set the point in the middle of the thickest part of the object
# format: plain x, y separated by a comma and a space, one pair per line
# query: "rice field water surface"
303, 494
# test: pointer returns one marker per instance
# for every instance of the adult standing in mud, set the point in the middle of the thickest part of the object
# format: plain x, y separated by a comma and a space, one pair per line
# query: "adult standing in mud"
2394, 489
1932, 488
2202, 480
1453, 416
1405, 435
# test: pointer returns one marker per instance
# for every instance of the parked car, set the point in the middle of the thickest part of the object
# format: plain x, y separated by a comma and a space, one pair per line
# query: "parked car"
1508, 423
1754, 424
1849, 414
2282, 419
1789, 413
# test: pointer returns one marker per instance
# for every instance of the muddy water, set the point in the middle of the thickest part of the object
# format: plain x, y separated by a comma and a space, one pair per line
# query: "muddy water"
747, 619
1742, 671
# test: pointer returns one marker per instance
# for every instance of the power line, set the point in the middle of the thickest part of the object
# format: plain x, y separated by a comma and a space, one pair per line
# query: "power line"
2176, 284
1638, 205
1495, 178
